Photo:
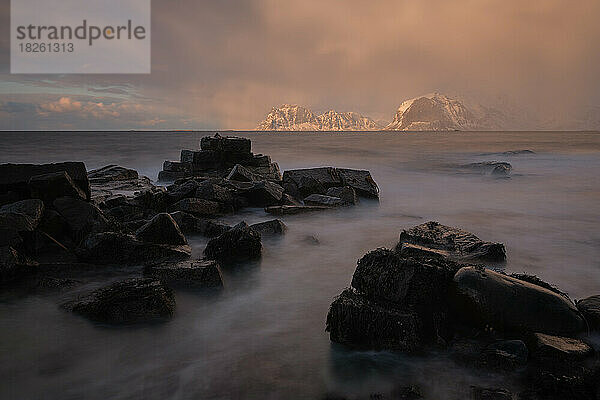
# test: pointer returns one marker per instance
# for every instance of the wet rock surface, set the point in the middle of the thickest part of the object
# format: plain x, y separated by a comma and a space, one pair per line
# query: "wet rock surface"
240, 243
270, 228
127, 302
161, 229
187, 274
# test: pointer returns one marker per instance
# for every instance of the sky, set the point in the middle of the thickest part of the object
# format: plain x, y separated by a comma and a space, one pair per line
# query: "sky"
224, 64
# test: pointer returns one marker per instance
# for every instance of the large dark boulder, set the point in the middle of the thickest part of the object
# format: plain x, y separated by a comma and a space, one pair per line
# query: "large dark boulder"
111, 173
346, 193
121, 249
18, 218
357, 322
82, 218
127, 302
457, 243
243, 174
49, 187
303, 182
323, 200
506, 303
259, 194
213, 191
14, 265
240, 243
230, 144
198, 226
187, 274
161, 229
15, 177
360, 180
176, 193
590, 308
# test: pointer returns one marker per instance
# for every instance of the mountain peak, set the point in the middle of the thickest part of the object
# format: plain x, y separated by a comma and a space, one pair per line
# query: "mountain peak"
292, 117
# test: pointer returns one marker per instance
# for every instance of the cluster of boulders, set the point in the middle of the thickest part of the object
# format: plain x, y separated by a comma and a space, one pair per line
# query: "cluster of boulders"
58, 218
432, 291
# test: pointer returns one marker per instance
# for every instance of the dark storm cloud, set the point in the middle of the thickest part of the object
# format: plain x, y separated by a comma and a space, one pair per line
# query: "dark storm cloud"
226, 63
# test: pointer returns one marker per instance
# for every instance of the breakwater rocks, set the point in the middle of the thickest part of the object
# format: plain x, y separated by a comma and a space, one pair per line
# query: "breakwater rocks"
59, 220
432, 292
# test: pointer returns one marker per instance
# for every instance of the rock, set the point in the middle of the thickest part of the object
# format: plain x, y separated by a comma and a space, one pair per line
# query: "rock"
14, 265
270, 172
127, 302
161, 229
176, 166
272, 227
416, 251
198, 226
18, 218
126, 213
49, 187
557, 349
171, 176
242, 174
506, 303
176, 193
15, 177
120, 249
360, 180
240, 243
505, 355
292, 210
537, 281
483, 393
187, 274
196, 207
356, 322
311, 240
259, 194
322, 200
82, 218
325, 176
489, 167
111, 173
53, 224
208, 190
230, 144
346, 193
459, 244
423, 286
590, 308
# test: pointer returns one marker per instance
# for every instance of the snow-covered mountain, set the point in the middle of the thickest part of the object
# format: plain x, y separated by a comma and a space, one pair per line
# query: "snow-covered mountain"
296, 118
437, 112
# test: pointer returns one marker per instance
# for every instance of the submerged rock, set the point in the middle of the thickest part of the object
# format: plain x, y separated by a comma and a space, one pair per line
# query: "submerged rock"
187, 274
459, 244
240, 243
489, 167
590, 308
161, 229
357, 322
272, 227
506, 303
127, 302
120, 249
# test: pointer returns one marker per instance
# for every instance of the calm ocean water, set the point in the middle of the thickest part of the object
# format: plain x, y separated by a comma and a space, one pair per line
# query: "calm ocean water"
264, 335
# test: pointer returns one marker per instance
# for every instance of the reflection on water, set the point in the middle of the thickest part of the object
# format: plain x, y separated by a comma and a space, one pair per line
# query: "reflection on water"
263, 335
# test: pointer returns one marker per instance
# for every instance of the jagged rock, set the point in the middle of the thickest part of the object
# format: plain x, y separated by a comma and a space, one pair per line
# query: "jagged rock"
304, 182
198, 226
196, 207
161, 229
292, 210
14, 265
230, 144
483, 393
120, 249
176, 193
272, 227
504, 355
423, 286
208, 190
557, 349
459, 244
240, 243
111, 173
489, 167
17, 218
322, 200
357, 322
127, 302
590, 308
82, 218
270, 172
259, 194
49, 187
177, 166
15, 177
360, 180
346, 193
506, 303
187, 274
242, 174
